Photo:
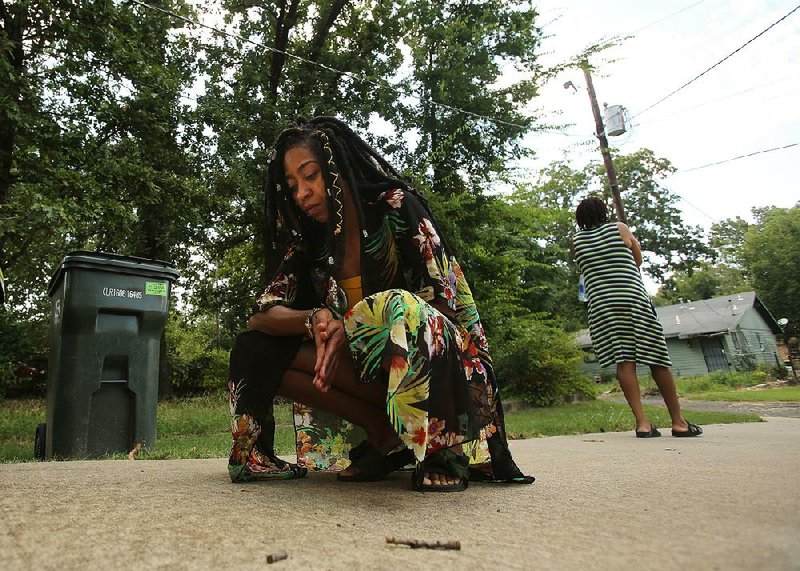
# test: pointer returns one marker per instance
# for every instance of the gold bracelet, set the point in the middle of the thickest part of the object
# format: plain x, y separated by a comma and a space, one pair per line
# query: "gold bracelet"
309, 322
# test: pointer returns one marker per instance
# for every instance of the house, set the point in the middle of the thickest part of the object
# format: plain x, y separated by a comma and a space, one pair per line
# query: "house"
732, 332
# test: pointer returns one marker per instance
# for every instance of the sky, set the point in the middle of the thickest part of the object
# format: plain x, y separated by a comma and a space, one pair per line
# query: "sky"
749, 103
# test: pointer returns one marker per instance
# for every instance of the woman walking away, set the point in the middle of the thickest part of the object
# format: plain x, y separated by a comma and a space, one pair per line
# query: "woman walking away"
622, 321
369, 318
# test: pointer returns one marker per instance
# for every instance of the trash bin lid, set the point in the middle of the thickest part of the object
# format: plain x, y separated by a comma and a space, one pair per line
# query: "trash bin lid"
114, 263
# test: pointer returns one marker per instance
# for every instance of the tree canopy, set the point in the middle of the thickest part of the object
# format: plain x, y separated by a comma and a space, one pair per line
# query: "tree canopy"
129, 128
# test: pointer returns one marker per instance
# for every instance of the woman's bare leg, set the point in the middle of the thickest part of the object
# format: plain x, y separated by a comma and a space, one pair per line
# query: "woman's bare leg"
362, 404
626, 375
666, 386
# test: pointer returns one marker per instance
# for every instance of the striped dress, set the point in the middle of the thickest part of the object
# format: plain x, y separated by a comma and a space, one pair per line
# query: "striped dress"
622, 321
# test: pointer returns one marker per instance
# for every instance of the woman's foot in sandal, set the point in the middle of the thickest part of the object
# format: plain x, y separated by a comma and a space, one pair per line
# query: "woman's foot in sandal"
370, 463
432, 479
260, 466
442, 471
651, 432
686, 431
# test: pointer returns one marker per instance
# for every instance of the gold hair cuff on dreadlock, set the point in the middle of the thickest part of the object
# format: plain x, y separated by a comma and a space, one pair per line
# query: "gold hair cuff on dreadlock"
337, 194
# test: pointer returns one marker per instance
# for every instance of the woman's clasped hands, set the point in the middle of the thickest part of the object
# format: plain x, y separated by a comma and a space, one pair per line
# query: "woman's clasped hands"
331, 345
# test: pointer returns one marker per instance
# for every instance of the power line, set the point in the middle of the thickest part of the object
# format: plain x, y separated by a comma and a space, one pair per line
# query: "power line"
748, 42
724, 97
378, 84
706, 214
651, 24
761, 152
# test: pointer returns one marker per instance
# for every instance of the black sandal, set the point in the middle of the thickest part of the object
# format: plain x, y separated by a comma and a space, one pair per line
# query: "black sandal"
446, 463
652, 433
372, 465
694, 430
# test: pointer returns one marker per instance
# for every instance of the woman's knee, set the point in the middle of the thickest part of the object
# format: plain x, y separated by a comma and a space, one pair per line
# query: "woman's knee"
256, 348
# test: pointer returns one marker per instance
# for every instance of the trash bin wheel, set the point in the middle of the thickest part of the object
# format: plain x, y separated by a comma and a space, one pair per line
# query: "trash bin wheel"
40, 443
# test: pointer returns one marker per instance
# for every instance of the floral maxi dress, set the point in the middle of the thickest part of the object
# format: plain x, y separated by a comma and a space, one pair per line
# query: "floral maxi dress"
417, 330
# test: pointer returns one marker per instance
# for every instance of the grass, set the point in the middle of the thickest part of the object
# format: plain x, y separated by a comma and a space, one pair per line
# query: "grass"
780, 394
600, 416
730, 386
199, 427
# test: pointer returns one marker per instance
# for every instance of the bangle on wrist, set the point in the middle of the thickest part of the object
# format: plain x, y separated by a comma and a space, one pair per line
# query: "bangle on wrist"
309, 322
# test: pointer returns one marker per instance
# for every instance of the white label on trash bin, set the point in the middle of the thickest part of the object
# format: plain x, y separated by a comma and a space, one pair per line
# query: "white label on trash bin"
156, 288
115, 292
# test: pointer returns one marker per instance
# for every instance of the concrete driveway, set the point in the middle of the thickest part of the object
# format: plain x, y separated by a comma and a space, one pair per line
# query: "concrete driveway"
727, 500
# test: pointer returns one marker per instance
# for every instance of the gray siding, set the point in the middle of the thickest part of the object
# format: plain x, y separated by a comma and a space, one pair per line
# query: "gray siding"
687, 357
754, 338
750, 335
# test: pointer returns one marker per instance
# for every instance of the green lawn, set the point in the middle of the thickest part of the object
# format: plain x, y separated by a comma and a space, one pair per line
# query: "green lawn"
199, 427
600, 416
781, 394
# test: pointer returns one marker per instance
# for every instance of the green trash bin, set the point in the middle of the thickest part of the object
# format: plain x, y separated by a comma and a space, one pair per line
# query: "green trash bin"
108, 313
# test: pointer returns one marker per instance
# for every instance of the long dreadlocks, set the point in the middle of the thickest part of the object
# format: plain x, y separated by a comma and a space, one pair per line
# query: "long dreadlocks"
343, 156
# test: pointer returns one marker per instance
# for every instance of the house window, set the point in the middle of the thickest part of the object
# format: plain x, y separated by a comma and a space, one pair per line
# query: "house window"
740, 342
743, 341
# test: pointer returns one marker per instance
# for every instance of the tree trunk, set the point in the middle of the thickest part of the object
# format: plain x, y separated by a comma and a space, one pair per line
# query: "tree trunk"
325, 23
13, 28
287, 18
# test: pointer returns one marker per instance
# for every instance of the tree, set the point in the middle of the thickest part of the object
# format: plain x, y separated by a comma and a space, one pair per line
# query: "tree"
771, 256
668, 244
548, 207
96, 152
459, 49
727, 239
706, 281
251, 93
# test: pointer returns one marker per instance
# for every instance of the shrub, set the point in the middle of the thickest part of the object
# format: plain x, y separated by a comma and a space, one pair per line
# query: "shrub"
735, 379
23, 354
776, 371
744, 362
719, 381
539, 364
608, 376
198, 359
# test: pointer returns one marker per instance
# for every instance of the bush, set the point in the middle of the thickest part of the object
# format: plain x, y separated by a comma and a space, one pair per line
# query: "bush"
736, 379
608, 376
744, 362
198, 359
23, 355
719, 381
775, 371
539, 364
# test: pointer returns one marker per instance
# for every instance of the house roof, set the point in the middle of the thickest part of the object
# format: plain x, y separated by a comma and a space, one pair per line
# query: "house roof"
709, 317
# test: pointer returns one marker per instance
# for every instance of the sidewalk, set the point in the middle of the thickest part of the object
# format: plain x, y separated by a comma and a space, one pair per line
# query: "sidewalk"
726, 500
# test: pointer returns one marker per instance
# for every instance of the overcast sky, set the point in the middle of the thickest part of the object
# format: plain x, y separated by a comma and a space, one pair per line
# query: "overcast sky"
749, 103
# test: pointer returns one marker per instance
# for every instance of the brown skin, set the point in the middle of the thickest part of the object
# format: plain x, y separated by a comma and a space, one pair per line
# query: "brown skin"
626, 372
322, 373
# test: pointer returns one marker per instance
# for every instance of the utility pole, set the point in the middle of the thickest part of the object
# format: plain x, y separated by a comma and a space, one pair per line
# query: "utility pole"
601, 135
